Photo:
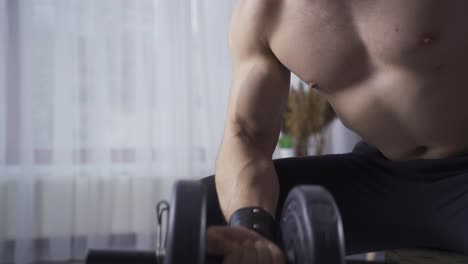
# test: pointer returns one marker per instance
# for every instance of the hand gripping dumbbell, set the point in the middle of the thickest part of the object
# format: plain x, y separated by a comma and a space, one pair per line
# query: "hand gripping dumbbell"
310, 230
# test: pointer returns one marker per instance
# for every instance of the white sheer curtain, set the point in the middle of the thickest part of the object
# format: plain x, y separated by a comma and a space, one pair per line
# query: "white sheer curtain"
103, 104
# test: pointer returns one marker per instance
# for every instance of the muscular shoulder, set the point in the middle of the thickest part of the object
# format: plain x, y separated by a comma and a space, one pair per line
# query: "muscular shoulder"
251, 24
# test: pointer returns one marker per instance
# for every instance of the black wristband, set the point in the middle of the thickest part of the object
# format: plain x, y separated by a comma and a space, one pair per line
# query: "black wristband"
256, 219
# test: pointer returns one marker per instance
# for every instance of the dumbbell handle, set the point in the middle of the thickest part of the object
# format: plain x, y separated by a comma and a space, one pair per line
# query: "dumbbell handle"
121, 257
149, 257
133, 257
367, 262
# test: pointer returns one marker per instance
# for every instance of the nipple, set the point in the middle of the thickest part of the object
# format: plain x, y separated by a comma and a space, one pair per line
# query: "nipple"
313, 85
418, 152
428, 39
439, 67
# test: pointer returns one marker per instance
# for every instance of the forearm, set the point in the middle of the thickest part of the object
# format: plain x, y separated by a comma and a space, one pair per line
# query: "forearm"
246, 176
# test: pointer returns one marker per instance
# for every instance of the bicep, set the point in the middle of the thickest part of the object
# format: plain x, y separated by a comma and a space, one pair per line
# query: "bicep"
258, 97
260, 85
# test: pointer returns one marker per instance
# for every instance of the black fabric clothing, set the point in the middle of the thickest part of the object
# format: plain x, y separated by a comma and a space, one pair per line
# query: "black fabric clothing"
384, 204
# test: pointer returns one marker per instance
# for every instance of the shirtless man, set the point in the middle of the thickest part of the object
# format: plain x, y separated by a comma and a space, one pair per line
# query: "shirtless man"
396, 73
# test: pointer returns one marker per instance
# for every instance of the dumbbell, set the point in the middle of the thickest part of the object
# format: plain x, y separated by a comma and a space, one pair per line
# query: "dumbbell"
310, 230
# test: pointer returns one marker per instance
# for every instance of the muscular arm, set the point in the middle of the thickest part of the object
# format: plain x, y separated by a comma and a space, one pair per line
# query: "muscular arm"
245, 175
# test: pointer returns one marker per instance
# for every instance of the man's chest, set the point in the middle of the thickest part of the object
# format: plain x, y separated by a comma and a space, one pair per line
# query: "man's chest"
337, 44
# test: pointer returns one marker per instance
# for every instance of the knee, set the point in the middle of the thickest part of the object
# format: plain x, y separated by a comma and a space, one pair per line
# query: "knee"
208, 181
210, 187
213, 208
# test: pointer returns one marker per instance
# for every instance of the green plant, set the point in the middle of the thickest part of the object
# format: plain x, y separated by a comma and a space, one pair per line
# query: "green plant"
286, 141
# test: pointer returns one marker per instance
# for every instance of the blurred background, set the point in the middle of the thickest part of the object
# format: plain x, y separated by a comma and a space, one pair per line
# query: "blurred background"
103, 105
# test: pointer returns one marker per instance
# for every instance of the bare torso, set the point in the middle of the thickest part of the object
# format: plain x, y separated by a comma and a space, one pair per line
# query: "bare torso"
396, 72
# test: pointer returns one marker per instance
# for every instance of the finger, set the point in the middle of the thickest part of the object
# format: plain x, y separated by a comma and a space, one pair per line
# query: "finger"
276, 253
235, 255
236, 233
249, 254
216, 243
264, 256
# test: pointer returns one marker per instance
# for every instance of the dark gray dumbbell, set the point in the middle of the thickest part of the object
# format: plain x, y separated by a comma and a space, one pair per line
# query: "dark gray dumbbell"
310, 230
185, 239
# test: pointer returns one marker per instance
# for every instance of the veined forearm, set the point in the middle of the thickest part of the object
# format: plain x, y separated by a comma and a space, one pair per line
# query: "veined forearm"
245, 176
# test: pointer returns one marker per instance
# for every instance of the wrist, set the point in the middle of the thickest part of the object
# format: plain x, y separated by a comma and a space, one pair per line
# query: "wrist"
255, 219
247, 190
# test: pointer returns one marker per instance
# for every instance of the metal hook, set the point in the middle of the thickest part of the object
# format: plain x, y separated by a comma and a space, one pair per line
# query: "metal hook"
162, 208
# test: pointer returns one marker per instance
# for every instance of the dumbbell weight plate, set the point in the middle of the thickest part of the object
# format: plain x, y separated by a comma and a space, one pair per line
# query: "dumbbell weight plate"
187, 222
311, 228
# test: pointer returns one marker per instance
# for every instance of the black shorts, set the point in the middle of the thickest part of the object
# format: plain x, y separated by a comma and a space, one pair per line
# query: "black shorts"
384, 204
